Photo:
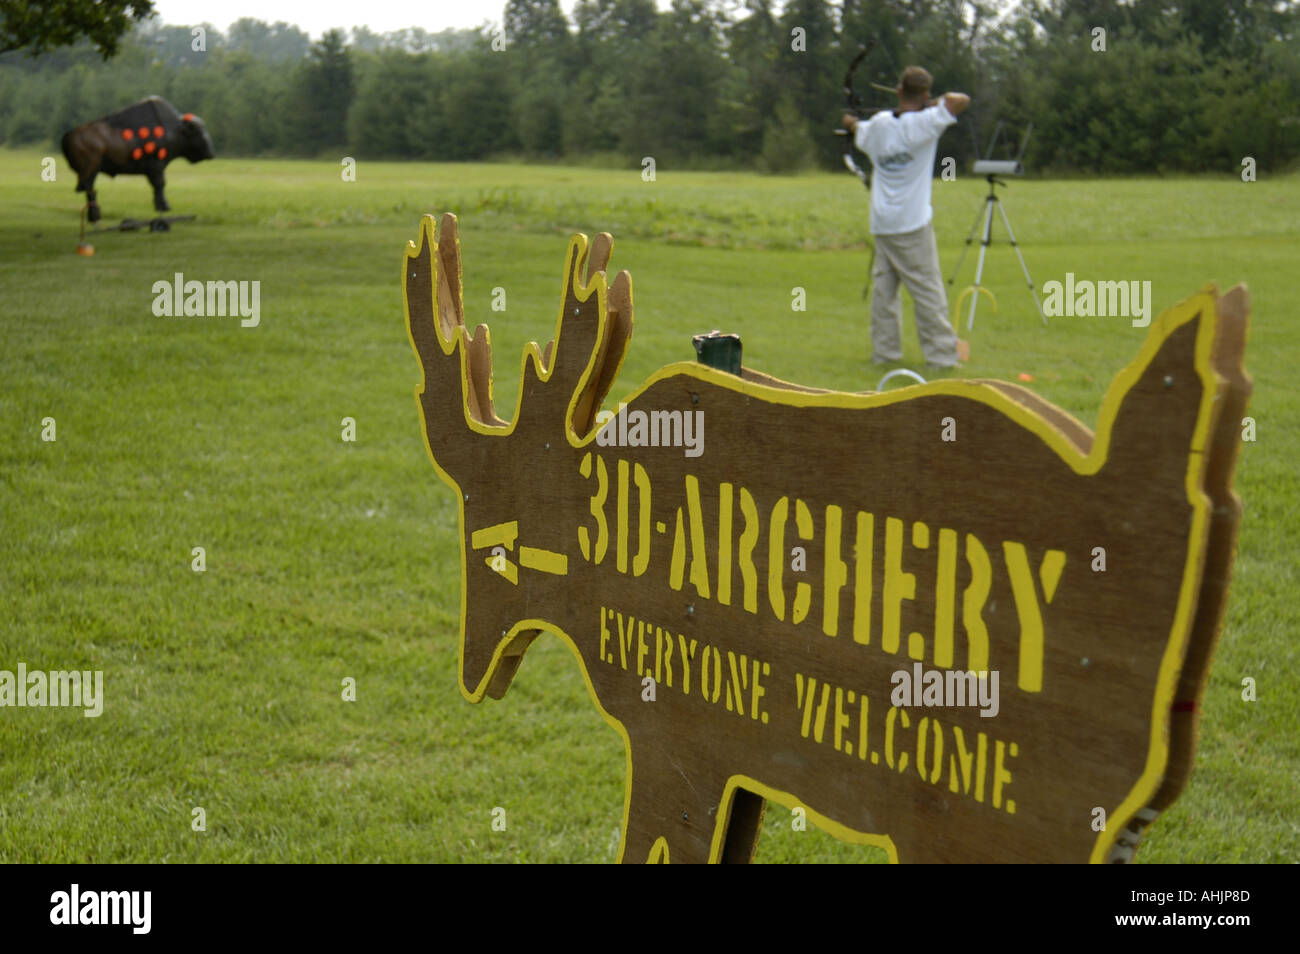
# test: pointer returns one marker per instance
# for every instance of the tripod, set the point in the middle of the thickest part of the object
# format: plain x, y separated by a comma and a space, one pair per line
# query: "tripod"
986, 214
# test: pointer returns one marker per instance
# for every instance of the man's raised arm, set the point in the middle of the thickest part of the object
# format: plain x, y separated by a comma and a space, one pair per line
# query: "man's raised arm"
955, 103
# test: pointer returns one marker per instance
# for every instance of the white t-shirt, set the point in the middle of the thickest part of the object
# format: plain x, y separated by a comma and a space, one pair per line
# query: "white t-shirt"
901, 149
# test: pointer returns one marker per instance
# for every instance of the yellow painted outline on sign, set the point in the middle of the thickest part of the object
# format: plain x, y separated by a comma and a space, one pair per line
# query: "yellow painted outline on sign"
1202, 304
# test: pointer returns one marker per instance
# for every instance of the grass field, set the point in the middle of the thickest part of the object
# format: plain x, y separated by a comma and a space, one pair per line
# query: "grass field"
328, 559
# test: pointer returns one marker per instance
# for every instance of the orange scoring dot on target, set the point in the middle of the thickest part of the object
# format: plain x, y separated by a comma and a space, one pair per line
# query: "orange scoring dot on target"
127, 134
188, 117
136, 153
144, 132
157, 132
149, 147
162, 153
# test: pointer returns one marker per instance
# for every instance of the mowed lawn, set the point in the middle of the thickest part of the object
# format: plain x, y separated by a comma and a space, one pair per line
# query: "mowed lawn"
328, 559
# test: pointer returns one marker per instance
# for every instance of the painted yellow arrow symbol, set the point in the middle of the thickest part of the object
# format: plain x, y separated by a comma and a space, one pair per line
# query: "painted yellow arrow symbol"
501, 538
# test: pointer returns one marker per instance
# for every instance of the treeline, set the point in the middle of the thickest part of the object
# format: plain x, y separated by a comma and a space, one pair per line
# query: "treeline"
1147, 86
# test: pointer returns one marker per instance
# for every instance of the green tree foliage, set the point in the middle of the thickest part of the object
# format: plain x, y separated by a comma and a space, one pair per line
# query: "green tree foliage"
615, 44
1181, 85
38, 27
677, 104
278, 42
755, 84
320, 95
787, 143
538, 53
1177, 86
474, 101
395, 113
809, 47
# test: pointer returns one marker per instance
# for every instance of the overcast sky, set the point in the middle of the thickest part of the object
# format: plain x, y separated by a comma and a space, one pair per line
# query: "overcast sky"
315, 17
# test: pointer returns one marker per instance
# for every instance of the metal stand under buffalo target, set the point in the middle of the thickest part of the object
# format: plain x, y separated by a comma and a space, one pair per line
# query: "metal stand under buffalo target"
159, 224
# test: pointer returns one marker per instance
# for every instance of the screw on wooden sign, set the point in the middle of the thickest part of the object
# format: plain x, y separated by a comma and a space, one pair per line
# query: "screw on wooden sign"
945, 561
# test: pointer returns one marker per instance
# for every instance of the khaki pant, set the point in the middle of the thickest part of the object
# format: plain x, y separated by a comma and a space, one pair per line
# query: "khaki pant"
912, 257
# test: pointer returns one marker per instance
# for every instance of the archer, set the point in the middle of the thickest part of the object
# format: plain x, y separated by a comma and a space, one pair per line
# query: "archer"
901, 145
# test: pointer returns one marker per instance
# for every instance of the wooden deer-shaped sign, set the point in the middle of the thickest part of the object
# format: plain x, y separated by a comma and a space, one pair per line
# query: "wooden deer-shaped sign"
949, 620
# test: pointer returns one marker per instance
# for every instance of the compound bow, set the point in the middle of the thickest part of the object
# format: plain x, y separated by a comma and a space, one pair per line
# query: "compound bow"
853, 104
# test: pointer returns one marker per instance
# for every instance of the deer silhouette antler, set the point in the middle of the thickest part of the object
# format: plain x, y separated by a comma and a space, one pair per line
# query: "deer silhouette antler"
569, 379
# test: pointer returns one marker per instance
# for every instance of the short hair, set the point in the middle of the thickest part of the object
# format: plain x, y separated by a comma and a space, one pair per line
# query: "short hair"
914, 83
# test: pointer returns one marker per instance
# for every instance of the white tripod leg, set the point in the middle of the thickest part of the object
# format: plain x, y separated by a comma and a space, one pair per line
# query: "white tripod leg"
970, 237
979, 269
1023, 267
